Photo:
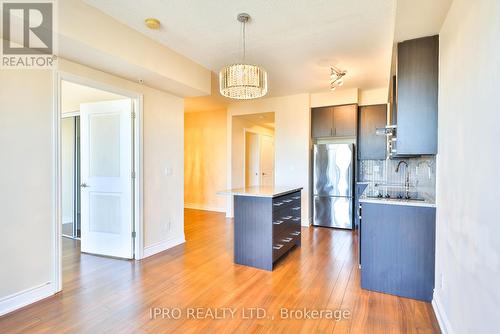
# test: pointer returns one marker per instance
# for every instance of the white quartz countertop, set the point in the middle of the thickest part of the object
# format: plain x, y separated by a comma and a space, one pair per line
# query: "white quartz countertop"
394, 201
263, 191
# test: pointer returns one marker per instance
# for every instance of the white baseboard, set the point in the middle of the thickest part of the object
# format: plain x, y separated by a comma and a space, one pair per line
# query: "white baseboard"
203, 207
163, 246
26, 297
444, 323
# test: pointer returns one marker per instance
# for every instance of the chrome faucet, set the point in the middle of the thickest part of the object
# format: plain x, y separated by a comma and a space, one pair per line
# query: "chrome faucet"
407, 178
399, 165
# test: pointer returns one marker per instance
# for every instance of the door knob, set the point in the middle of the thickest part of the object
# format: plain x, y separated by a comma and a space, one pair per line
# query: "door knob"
84, 185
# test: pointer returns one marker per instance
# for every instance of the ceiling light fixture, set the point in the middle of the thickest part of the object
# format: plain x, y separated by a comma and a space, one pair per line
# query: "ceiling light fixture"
243, 81
336, 77
152, 23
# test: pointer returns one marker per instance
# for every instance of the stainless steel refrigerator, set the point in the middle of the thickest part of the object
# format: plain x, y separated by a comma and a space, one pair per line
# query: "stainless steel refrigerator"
333, 183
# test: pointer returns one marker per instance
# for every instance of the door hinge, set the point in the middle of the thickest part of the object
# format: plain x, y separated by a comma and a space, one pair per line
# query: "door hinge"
133, 234
133, 175
133, 114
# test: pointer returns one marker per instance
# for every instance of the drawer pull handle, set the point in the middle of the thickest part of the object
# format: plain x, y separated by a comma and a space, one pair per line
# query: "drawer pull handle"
287, 239
296, 219
296, 208
278, 204
278, 222
287, 200
279, 246
296, 197
295, 233
286, 217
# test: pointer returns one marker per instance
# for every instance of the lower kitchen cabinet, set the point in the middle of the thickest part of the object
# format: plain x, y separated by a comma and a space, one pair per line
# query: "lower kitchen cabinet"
398, 249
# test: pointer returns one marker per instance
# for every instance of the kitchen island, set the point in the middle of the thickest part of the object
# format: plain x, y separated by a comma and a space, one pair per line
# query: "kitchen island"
267, 224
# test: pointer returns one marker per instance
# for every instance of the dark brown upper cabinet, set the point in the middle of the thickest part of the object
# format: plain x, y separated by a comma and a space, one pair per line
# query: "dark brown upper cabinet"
338, 121
321, 122
417, 96
370, 145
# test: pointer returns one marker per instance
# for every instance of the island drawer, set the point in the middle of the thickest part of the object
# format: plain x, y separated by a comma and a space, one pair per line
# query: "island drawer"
289, 200
282, 244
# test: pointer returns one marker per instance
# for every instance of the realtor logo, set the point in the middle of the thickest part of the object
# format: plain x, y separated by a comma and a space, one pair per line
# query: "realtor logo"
28, 34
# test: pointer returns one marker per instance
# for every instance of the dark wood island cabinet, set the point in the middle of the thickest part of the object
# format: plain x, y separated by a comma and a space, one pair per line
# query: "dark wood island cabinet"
267, 224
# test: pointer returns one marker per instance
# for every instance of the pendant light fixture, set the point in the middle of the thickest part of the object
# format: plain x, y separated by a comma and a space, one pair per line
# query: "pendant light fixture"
243, 81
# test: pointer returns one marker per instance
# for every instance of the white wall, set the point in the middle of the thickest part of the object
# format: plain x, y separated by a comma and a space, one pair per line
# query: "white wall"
27, 181
467, 297
292, 141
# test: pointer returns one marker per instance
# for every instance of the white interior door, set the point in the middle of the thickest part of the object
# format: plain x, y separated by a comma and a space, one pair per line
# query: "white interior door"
267, 160
106, 176
252, 159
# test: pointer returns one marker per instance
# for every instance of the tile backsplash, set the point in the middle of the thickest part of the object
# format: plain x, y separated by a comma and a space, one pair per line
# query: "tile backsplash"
382, 178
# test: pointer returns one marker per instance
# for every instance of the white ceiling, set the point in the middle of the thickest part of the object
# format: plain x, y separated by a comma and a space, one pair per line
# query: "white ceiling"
265, 120
420, 18
72, 95
295, 40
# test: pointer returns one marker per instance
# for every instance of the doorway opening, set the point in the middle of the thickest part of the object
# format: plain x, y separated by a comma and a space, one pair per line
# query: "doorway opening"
99, 157
257, 147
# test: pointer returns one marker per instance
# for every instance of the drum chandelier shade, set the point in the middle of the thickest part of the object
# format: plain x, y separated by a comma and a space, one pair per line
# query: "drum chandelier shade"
243, 81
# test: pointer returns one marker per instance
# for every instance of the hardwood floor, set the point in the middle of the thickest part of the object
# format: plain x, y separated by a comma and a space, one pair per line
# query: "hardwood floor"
102, 295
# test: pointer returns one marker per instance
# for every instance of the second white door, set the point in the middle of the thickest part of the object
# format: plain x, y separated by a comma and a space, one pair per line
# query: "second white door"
106, 176
259, 159
267, 160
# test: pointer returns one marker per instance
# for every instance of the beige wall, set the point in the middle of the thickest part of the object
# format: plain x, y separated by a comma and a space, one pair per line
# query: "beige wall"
27, 181
338, 97
373, 96
205, 159
467, 297
292, 143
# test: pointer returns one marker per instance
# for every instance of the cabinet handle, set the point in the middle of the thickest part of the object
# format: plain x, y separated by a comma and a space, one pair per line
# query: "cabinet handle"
287, 200
279, 246
286, 217
287, 239
278, 204
296, 197
278, 222
295, 233
296, 208
296, 219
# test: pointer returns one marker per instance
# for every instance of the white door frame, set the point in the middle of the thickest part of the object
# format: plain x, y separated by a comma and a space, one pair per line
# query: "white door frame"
138, 206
